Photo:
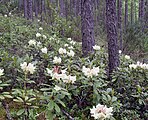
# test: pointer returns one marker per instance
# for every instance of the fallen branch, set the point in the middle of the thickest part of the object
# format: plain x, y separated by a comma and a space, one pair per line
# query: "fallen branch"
67, 114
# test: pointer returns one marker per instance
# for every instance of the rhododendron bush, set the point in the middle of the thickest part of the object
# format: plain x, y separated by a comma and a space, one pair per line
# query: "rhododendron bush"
47, 76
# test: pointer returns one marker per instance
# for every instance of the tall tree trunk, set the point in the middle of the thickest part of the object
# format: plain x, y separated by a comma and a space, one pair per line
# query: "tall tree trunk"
119, 17
126, 14
139, 10
78, 7
135, 10
30, 9
62, 8
142, 5
25, 9
131, 11
111, 24
87, 27
36, 5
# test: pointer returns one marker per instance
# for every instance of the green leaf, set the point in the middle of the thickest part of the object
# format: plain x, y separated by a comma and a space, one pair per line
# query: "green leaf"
51, 105
2, 97
57, 108
8, 96
61, 103
20, 112
31, 99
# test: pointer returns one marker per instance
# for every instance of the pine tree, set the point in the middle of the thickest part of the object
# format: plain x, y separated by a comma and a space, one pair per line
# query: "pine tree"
111, 25
87, 27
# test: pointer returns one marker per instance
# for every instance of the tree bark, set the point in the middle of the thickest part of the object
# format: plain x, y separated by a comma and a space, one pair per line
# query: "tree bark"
30, 9
131, 11
25, 9
111, 25
119, 17
126, 14
62, 8
87, 27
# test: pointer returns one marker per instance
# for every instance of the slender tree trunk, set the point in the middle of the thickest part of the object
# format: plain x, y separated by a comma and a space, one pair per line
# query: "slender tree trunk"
87, 27
36, 5
119, 17
62, 8
131, 11
111, 24
126, 14
25, 9
30, 9
142, 3
135, 10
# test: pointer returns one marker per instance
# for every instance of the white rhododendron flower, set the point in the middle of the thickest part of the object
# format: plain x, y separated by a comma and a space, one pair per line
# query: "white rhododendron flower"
71, 47
72, 42
62, 51
140, 65
66, 45
90, 72
38, 35
120, 51
1, 72
69, 79
101, 112
55, 75
127, 57
28, 68
44, 36
69, 39
71, 53
96, 47
44, 50
32, 42
57, 88
39, 44
57, 60
40, 28
5, 15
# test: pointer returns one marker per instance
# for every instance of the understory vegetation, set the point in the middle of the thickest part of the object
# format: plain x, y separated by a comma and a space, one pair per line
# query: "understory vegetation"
45, 76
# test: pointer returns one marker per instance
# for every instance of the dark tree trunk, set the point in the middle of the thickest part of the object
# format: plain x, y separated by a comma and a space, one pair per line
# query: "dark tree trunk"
131, 11
119, 8
146, 13
111, 24
139, 10
62, 8
25, 9
43, 11
78, 7
126, 14
87, 27
30, 9
36, 5
142, 4
135, 10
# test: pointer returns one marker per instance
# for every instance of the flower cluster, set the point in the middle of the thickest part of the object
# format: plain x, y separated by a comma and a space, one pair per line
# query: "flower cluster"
96, 47
63, 76
140, 65
57, 60
1, 72
101, 112
90, 72
62, 51
127, 57
28, 67
44, 50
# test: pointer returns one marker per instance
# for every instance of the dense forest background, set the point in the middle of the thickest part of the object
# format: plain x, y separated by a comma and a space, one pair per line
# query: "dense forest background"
65, 15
